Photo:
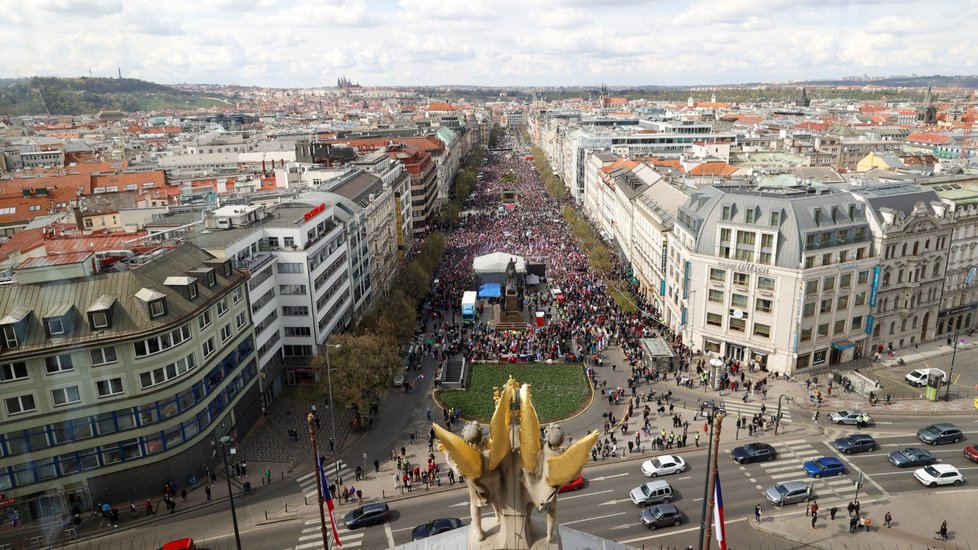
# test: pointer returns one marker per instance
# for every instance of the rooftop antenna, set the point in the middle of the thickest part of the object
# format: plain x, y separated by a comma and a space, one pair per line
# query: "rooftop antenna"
120, 72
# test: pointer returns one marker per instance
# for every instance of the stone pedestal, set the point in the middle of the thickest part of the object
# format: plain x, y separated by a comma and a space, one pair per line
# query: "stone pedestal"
569, 539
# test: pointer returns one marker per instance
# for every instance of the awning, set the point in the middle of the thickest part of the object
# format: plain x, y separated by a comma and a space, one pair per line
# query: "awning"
843, 345
490, 291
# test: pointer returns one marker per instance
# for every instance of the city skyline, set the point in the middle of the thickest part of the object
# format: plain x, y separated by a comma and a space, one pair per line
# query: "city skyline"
306, 43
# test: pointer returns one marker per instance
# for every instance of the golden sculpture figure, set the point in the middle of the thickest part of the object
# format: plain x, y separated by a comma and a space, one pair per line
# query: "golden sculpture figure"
514, 472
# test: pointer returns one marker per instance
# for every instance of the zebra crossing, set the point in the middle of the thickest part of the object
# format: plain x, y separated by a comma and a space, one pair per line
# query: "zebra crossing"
311, 538
307, 483
789, 467
736, 407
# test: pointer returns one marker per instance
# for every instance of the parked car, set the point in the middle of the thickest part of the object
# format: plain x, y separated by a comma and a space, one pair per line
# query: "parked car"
663, 465
855, 443
368, 514
850, 416
918, 377
575, 484
653, 492
911, 456
971, 452
661, 515
435, 527
789, 492
936, 434
939, 474
753, 452
824, 467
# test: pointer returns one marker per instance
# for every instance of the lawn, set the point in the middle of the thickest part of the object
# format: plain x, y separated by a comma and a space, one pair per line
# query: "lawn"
559, 390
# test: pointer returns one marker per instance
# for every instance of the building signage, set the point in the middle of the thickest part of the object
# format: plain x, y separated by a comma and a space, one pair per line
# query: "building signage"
662, 287
665, 257
682, 320
746, 266
312, 213
875, 288
686, 282
869, 324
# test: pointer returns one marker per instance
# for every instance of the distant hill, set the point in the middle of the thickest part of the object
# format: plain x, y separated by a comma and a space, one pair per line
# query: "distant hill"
74, 96
938, 81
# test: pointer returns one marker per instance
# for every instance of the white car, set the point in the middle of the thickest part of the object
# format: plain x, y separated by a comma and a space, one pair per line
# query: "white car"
939, 474
663, 465
918, 377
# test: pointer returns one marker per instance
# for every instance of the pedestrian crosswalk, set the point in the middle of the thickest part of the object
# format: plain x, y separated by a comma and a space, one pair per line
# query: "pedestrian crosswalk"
750, 408
792, 455
311, 537
307, 483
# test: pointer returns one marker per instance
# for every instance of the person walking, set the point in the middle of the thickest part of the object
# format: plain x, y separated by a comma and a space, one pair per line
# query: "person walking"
268, 475
814, 519
832, 512
207, 491
887, 519
757, 514
942, 532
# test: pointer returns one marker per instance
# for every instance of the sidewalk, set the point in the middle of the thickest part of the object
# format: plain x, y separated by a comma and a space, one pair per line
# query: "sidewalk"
915, 520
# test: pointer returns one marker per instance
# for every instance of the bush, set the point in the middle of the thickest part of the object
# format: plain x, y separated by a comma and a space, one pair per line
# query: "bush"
559, 390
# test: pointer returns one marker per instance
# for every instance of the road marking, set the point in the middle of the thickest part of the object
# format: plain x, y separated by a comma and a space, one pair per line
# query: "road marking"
602, 478
390, 535
615, 501
682, 478
562, 499
670, 532
592, 519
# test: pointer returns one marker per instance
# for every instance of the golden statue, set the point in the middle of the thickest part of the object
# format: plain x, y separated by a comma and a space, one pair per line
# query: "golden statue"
516, 470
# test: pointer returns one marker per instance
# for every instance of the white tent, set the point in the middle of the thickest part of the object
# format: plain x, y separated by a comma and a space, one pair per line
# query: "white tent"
532, 279
497, 262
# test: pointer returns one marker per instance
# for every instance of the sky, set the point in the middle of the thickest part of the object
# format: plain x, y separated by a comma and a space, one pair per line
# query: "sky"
309, 43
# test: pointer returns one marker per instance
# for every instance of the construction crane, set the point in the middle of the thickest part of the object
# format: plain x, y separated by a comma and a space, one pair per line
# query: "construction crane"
969, 119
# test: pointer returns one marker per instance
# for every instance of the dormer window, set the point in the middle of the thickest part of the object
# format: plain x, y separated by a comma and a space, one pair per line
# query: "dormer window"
186, 286
59, 320
56, 327
223, 267
205, 274
14, 327
155, 302
101, 312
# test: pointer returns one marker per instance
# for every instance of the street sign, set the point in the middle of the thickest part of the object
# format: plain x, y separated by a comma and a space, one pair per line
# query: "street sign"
7, 502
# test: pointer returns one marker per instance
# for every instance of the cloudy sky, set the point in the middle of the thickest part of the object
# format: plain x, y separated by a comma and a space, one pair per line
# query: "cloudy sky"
305, 43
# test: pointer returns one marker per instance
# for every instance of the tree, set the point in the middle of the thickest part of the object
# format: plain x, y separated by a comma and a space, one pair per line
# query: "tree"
361, 370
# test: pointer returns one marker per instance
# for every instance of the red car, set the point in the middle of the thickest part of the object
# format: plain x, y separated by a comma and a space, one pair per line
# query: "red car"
971, 452
575, 485
182, 544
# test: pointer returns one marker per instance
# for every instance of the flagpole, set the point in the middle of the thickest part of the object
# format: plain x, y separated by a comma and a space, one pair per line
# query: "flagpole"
311, 422
708, 518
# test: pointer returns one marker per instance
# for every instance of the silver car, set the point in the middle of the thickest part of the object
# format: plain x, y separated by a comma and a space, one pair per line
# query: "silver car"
789, 492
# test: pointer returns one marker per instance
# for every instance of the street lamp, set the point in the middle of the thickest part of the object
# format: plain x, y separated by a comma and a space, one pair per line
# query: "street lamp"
710, 458
224, 443
777, 420
711, 478
332, 414
950, 372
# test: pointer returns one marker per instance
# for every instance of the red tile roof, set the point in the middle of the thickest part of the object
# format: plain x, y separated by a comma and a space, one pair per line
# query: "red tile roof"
932, 139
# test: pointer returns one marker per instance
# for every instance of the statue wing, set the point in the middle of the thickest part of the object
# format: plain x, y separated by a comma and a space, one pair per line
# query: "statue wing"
566, 466
529, 431
466, 458
499, 428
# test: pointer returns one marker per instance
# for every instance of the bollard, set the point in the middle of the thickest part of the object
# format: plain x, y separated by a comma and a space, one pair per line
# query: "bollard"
282, 474
305, 500
286, 507
266, 515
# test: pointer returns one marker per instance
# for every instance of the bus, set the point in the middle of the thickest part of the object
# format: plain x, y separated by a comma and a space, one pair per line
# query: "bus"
468, 307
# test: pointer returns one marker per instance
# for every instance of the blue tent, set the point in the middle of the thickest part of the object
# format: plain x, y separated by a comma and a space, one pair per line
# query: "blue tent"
490, 291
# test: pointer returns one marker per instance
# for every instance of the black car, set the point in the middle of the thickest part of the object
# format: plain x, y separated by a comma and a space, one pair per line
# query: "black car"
435, 527
661, 515
753, 452
855, 443
368, 514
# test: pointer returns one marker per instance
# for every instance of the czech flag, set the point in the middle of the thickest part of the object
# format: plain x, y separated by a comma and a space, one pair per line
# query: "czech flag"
328, 499
718, 524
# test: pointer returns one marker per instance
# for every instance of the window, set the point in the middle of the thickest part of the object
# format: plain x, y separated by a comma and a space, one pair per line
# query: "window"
208, 347
111, 386
58, 363
808, 310
238, 294
745, 245
840, 327
828, 284
725, 243
289, 267
857, 322
842, 302
99, 319
740, 325
843, 256
775, 219
826, 306
767, 248
163, 342
718, 275
765, 283
811, 287
716, 296
157, 309
809, 262
13, 371
205, 319
749, 215
738, 301
289, 242
741, 279
241, 319
763, 305
295, 311
823, 330
845, 281
306, 331
764, 331
65, 396
819, 357
843, 236
222, 307
103, 356
292, 290
56, 327
725, 216
860, 299
165, 373
20, 404
226, 333
862, 278
806, 334
803, 361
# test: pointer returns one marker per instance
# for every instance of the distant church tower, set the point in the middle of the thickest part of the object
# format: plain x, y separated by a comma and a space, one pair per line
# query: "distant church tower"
713, 98
927, 113
803, 100
690, 103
